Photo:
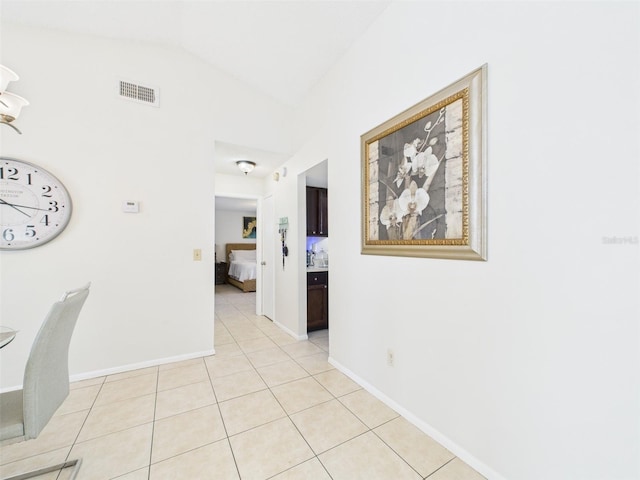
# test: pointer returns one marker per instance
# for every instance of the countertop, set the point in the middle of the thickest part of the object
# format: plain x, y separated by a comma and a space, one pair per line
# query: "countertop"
317, 269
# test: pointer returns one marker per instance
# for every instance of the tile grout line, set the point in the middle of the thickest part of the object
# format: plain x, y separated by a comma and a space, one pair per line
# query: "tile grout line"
394, 451
84, 422
224, 426
73, 444
286, 414
369, 429
153, 423
270, 388
440, 467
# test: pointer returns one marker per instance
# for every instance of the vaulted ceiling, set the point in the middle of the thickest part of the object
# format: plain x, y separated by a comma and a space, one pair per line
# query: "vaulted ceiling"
281, 48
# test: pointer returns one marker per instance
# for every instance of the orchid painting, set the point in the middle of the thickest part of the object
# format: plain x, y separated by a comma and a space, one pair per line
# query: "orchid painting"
422, 177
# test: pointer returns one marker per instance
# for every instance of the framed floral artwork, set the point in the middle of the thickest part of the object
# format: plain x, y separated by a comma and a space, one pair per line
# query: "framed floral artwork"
424, 177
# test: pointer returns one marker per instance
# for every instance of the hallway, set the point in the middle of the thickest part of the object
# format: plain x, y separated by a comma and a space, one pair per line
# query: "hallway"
264, 407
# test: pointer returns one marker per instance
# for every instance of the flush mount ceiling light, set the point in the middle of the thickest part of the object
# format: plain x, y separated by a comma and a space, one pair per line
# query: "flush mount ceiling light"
10, 103
246, 166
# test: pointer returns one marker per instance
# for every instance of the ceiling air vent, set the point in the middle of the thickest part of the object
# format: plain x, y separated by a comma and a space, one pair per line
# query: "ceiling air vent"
139, 93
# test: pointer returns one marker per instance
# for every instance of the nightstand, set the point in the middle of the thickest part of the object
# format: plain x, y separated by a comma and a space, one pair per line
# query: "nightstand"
221, 273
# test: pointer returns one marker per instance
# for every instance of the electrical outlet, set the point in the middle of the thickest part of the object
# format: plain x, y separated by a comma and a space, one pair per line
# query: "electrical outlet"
390, 357
197, 255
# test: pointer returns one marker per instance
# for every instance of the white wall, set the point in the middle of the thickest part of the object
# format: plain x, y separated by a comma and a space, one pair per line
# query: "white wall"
525, 365
150, 301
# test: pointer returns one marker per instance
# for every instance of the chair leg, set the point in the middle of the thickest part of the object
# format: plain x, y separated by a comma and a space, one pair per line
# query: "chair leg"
35, 473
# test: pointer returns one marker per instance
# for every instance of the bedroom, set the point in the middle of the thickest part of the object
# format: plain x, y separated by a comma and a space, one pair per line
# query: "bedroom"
235, 225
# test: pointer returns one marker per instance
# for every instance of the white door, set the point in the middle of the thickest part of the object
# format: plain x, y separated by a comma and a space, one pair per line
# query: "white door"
268, 256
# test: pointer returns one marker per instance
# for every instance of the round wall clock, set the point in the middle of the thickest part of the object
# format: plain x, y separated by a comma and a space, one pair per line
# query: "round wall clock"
34, 205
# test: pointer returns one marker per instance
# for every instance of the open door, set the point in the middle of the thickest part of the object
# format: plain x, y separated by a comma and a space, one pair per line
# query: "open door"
267, 263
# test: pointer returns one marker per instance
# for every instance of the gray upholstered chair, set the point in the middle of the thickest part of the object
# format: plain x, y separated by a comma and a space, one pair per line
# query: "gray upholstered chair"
24, 413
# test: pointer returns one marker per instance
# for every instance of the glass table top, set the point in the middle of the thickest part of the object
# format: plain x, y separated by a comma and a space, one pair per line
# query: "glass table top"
6, 335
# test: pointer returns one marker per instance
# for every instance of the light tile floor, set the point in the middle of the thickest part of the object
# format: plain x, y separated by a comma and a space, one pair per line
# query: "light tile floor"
264, 407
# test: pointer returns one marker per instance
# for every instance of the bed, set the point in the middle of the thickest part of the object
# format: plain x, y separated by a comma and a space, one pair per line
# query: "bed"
241, 259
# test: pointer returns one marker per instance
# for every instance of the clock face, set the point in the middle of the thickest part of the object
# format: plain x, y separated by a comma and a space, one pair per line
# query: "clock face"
34, 205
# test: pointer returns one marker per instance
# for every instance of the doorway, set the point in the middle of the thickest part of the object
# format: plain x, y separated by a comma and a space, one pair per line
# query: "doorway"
316, 234
231, 214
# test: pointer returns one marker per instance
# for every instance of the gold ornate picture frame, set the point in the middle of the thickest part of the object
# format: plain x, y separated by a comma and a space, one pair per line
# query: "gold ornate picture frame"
424, 177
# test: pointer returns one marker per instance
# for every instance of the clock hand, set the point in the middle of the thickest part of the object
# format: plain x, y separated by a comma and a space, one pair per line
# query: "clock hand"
25, 206
14, 207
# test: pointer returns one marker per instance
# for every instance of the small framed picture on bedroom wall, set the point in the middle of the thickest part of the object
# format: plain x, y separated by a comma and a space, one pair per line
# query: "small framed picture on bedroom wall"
249, 227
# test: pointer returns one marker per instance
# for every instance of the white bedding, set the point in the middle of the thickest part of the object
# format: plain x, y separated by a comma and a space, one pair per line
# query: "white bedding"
243, 265
241, 270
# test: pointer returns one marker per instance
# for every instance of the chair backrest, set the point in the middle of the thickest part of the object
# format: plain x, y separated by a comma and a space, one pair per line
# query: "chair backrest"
46, 376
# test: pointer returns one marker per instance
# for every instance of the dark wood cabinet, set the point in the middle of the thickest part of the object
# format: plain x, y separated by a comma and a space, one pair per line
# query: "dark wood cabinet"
317, 202
221, 273
317, 300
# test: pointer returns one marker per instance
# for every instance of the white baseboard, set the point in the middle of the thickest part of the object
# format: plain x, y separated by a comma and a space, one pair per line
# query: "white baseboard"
289, 332
442, 439
136, 366
125, 368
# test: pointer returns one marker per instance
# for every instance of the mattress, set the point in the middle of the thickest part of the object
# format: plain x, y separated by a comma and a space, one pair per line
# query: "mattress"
242, 270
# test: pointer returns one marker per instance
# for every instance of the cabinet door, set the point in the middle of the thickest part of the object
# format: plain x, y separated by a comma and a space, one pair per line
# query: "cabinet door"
317, 301
317, 317
317, 224
312, 212
323, 224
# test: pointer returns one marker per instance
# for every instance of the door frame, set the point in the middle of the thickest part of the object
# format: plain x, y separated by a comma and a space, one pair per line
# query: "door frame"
258, 239
305, 180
